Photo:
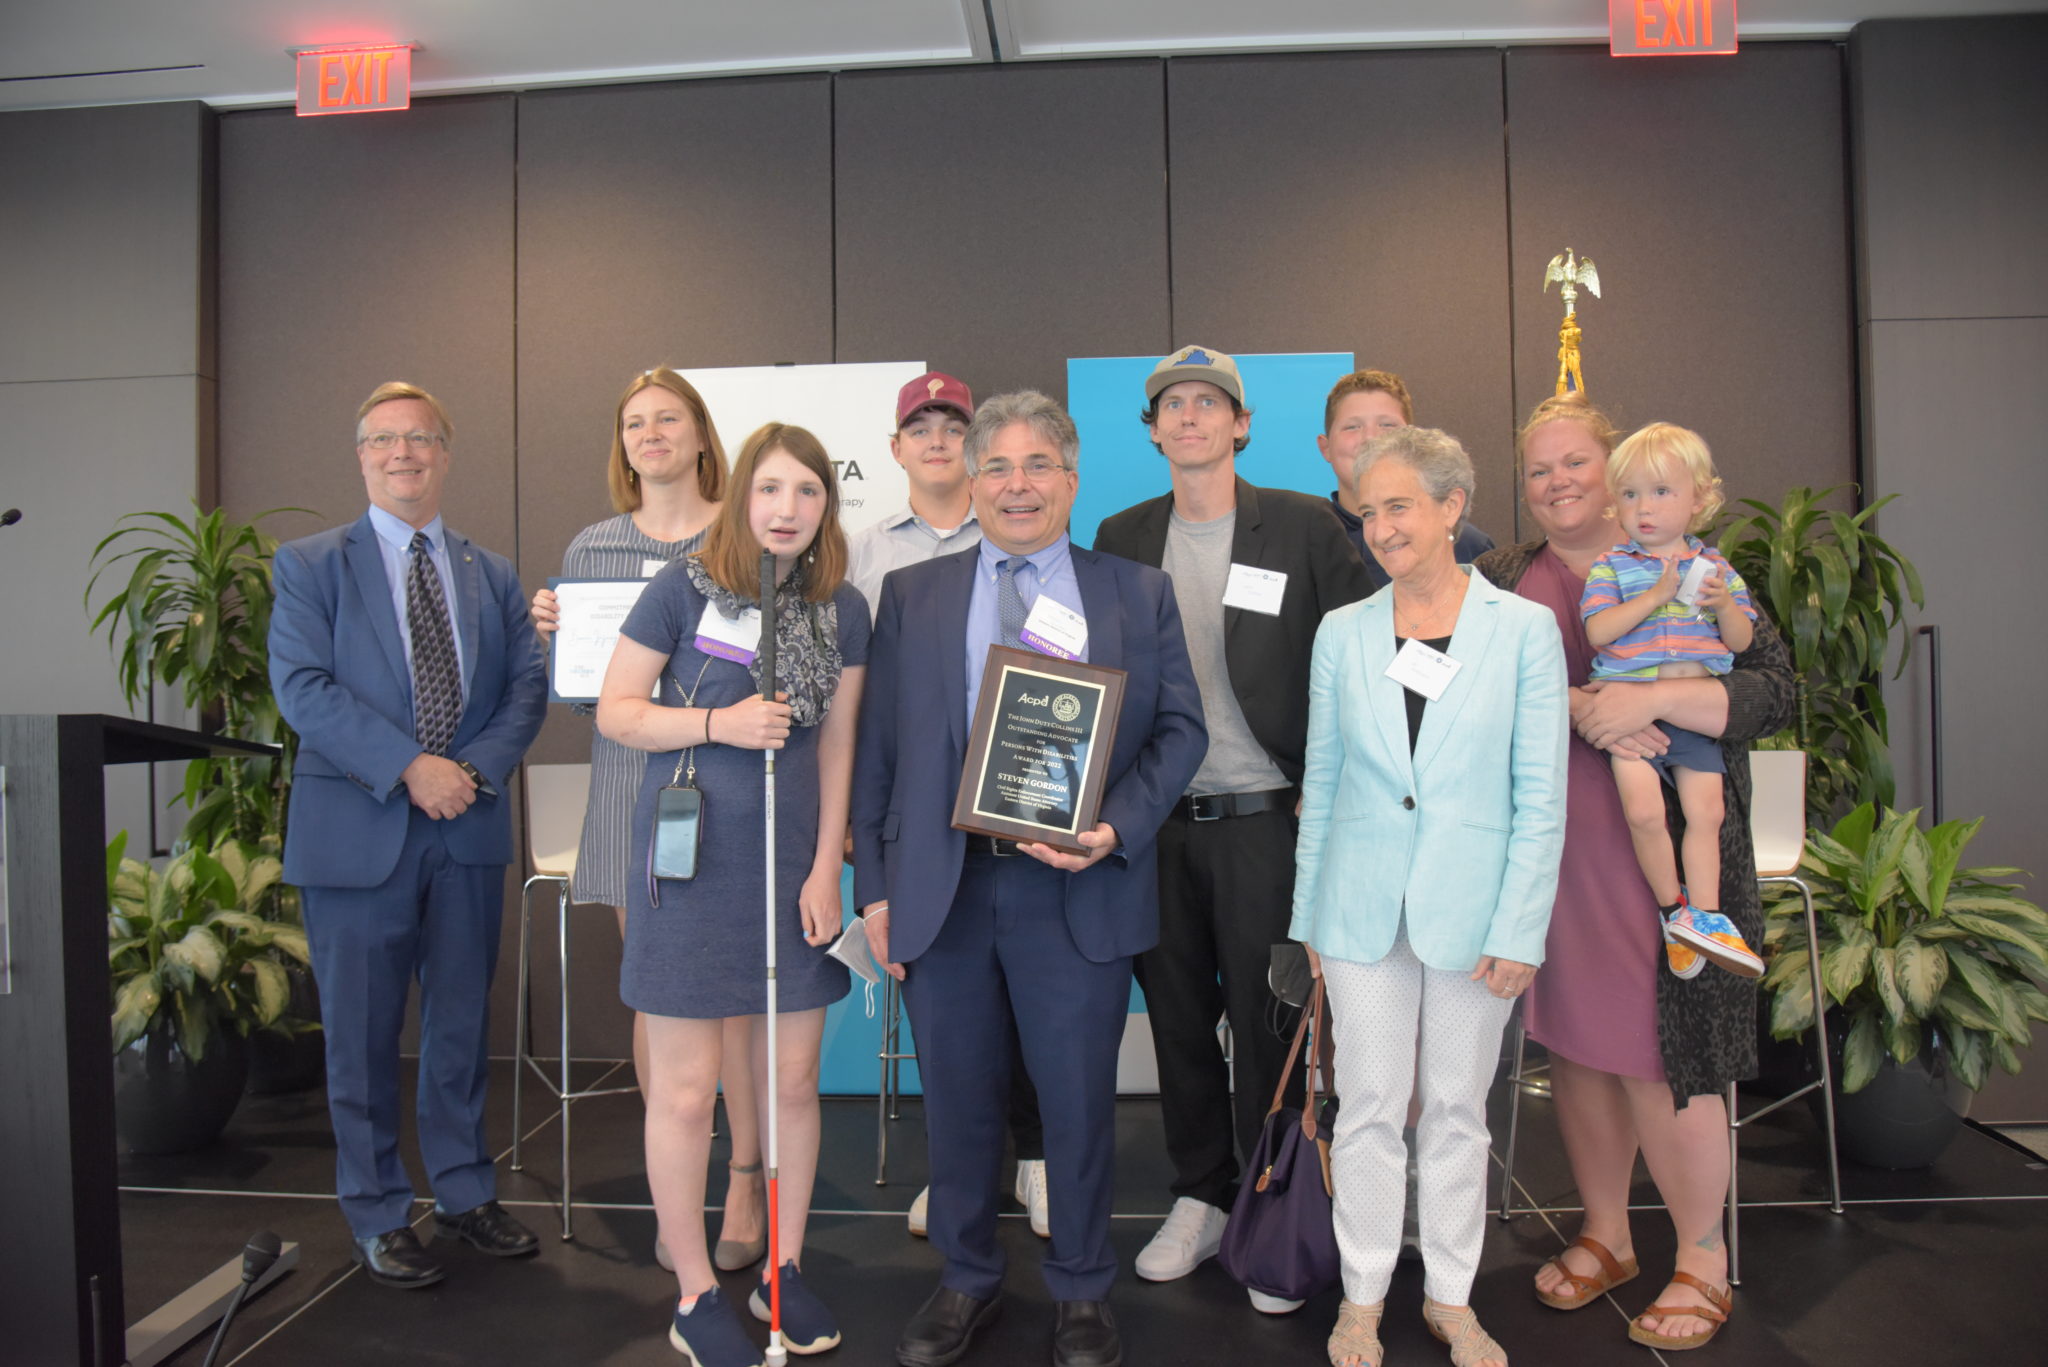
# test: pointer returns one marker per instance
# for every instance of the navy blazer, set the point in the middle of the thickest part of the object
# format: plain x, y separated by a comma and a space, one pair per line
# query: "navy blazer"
913, 742
338, 668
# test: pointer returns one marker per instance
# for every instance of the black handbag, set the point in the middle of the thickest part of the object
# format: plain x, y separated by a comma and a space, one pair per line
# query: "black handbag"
1280, 1240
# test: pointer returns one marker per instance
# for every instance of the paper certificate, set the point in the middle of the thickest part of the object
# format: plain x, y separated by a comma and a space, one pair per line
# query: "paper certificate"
591, 613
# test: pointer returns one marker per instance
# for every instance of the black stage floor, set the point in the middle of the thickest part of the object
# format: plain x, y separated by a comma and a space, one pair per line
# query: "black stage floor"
1938, 1266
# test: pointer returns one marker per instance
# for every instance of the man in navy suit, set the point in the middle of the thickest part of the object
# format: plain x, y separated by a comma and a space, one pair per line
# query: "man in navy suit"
403, 655
985, 932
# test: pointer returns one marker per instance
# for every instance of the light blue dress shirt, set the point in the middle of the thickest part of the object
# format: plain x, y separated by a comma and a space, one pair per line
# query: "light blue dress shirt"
394, 543
1050, 569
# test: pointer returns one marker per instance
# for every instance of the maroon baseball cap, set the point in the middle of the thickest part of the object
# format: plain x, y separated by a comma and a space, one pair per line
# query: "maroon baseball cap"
934, 389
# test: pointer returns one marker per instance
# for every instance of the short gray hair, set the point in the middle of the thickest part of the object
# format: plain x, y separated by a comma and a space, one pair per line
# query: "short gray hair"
1044, 416
1433, 454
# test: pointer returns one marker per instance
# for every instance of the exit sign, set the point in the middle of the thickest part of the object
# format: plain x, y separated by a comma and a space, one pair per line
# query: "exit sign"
354, 79
1670, 28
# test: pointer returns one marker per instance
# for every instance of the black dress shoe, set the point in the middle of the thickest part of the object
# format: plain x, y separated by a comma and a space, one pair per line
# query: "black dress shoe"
396, 1259
940, 1331
489, 1228
1084, 1335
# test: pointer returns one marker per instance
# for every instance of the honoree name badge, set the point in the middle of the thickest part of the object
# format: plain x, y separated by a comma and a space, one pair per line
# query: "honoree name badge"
730, 638
1053, 628
1254, 589
1426, 670
650, 568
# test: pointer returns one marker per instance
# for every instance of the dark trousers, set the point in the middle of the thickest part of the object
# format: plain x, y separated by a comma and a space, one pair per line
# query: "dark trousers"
435, 920
1005, 961
1226, 892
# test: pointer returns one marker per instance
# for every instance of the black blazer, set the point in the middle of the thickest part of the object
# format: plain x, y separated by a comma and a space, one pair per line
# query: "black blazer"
1268, 657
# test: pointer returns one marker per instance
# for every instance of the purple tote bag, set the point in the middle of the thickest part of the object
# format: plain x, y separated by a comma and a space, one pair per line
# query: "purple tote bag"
1279, 1240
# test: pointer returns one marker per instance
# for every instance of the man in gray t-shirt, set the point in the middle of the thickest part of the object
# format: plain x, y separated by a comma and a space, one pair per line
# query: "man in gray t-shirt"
1254, 571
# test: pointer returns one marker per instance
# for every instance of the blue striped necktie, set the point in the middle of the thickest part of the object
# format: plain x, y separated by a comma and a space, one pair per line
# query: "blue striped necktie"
1010, 603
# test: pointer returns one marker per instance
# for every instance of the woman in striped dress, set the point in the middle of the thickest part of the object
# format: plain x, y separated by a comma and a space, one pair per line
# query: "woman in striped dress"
666, 473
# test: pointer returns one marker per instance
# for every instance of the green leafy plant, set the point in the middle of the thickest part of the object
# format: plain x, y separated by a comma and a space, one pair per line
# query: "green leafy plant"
193, 613
1838, 592
187, 952
1910, 941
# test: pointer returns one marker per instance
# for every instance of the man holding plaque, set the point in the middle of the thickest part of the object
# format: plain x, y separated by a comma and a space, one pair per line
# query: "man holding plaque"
1045, 691
932, 413
1254, 570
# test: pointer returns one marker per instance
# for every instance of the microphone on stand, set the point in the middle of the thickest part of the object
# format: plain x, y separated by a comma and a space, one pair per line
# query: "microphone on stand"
257, 1257
10, 517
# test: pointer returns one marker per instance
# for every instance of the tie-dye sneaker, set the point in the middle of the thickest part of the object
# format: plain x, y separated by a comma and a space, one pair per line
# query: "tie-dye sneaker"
1715, 938
1683, 960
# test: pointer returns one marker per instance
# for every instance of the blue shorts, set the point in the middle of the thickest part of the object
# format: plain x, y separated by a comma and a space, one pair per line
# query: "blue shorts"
1689, 750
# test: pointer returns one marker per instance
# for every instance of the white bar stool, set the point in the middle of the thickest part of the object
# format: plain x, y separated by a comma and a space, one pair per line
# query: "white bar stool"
555, 798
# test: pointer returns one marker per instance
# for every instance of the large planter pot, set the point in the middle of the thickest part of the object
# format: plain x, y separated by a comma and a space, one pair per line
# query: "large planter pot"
1907, 1115
290, 1063
166, 1103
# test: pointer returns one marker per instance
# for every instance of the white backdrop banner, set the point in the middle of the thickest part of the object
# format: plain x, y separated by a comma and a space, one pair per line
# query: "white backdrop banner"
850, 408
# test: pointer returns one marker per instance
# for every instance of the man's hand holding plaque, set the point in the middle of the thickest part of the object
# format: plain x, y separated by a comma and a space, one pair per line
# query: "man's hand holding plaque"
1037, 755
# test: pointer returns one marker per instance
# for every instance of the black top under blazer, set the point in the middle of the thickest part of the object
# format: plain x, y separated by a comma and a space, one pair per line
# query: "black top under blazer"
1267, 656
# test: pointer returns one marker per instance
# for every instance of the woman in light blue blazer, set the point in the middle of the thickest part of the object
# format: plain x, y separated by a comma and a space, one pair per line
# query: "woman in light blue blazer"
1432, 820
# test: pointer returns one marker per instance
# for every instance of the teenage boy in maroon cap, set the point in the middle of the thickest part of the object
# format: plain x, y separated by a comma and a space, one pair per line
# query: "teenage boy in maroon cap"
1255, 570
932, 413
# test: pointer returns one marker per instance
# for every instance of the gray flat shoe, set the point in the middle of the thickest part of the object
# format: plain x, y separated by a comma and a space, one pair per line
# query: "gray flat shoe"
729, 1255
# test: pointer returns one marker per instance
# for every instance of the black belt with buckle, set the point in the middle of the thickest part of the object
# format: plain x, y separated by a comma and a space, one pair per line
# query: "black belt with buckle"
1216, 806
992, 845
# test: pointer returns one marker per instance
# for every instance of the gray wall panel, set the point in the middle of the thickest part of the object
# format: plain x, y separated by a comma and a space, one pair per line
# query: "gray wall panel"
103, 221
1712, 196
1357, 203
1951, 144
704, 239
354, 251
1953, 135
995, 222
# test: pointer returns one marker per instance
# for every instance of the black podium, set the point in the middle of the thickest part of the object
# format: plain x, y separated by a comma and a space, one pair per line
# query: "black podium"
60, 1254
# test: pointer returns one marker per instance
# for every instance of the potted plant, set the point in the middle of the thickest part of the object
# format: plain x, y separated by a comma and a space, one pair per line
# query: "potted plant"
195, 971
1931, 968
1837, 592
193, 613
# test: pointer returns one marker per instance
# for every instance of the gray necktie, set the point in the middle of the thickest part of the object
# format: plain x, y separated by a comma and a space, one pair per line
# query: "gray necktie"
436, 678
1009, 603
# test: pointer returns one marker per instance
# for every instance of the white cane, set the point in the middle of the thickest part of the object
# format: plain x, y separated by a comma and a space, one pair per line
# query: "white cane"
777, 1356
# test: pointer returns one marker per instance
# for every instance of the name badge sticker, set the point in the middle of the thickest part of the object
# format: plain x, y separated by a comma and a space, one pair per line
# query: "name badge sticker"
1254, 589
729, 638
650, 568
1053, 628
1427, 671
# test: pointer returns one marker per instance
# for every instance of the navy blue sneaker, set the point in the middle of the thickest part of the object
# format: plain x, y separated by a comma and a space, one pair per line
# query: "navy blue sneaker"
807, 1326
710, 1334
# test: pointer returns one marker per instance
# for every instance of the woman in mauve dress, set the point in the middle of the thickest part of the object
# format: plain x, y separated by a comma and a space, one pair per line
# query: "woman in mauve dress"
1640, 1060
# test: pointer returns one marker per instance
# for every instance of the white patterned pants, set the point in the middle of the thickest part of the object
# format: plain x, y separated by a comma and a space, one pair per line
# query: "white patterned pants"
1380, 1013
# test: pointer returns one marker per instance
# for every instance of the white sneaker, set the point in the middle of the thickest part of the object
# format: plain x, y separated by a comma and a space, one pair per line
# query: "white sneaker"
1030, 1193
917, 1209
1272, 1305
1193, 1231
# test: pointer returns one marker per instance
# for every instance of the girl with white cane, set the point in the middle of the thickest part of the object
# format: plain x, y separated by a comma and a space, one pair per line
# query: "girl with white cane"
710, 853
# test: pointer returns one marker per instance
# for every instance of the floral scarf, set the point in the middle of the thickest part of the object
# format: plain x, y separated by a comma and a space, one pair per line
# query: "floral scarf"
807, 661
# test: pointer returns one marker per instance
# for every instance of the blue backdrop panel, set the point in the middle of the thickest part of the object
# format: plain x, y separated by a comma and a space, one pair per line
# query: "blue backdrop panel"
1119, 465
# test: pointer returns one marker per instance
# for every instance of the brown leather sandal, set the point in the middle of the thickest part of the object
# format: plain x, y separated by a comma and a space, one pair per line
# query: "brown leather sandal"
1357, 1334
1715, 1312
1458, 1326
1585, 1290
